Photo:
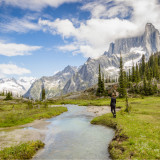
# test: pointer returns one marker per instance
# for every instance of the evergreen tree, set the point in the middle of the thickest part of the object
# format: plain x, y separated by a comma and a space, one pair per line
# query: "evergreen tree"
143, 64
151, 60
102, 84
150, 88
8, 96
158, 59
156, 72
151, 73
125, 79
137, 74
130, 77
133, 74
140, 71
144, 86
146, 71
99, 89
43, 94
122, 86
155, 87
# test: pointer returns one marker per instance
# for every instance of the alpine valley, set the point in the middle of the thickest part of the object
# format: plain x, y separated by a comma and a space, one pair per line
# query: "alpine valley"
73, 79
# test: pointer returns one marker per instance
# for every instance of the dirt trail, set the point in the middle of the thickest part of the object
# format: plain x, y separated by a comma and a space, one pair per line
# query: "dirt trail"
99, 110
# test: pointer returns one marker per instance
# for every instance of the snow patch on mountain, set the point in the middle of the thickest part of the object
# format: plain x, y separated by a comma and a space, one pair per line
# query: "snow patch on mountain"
134, 50
17, 87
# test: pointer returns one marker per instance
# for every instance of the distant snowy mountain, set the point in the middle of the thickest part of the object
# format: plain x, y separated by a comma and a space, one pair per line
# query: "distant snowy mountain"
17, 87
76, 79
53, 84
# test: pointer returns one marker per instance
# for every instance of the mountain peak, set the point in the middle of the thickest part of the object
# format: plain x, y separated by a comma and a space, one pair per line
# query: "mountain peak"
150, 28
69, 68
88, 59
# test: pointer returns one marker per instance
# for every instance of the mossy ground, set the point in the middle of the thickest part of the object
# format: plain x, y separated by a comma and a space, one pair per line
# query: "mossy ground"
137, 133
21, 151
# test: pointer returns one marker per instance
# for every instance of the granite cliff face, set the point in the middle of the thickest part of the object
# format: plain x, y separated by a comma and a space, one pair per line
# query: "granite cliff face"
131, 49
149, 42
85, 76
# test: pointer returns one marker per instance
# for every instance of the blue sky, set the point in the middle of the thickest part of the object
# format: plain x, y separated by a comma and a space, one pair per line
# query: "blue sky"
39, 38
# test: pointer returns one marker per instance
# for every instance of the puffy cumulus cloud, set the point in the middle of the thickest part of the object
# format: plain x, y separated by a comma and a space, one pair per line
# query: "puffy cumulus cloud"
139, 12
109, 20
12, 69
36, 5
92, 37
13, 49
63, 27
146, 11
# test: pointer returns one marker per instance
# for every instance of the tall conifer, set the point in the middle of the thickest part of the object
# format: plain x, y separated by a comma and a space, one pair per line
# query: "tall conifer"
43, 93
133, 74
99, 89
122, 86
143, 64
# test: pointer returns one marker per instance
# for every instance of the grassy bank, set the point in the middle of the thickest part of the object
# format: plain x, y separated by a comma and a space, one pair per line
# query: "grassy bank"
14, 113
138, 133
21, 151
83, 102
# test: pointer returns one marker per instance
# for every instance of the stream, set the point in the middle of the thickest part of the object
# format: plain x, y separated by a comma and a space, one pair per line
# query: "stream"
71, 136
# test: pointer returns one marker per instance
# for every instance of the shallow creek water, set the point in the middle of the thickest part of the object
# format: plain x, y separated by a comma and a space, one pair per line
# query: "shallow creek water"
71, 136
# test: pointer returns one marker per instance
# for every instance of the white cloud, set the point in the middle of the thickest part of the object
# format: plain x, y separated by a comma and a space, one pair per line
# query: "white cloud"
13, 49
92, 37
107, 8
70, 47
107, 23
37, 5
63, 27
12, 69
20, 25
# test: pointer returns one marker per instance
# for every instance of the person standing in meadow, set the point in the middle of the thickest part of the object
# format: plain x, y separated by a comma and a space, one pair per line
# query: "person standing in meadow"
113, 105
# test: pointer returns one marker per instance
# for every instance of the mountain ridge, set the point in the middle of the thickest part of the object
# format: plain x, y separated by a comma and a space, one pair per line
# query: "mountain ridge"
131, 48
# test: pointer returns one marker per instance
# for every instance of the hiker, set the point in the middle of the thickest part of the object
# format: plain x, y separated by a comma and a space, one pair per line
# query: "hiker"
113, 105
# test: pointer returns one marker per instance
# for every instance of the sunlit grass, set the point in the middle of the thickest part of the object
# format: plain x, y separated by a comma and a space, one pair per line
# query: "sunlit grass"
22, 151
141, 127
13, 114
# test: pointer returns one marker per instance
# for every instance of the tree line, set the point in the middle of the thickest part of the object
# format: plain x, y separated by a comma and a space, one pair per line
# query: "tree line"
141, 78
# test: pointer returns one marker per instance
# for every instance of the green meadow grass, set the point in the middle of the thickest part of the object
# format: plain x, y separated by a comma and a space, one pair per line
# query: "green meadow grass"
17, 113
137, 133
21, 151
83, 102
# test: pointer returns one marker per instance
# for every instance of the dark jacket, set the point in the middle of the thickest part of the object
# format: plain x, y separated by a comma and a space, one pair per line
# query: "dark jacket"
113, 102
